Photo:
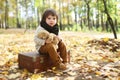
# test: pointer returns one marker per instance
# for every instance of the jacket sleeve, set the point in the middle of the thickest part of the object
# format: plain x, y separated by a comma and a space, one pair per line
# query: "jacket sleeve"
37, 40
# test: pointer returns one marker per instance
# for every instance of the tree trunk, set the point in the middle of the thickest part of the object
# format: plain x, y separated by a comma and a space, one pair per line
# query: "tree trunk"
75, 12
0, 24
102, 22
38, 18
88, 13
110, 20
6, 15
97, 17
88, 17
116, 23
60, 21
18, 25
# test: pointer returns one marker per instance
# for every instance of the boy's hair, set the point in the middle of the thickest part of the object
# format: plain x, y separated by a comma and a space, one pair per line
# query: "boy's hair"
47, 13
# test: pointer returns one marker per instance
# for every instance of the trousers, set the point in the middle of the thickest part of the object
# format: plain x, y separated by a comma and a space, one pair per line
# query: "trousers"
53, 54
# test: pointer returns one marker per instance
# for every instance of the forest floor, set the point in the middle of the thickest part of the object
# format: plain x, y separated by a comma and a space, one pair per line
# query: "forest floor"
94, 56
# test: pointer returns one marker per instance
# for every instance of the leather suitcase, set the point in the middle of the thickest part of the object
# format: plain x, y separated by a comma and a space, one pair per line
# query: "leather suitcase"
33, 61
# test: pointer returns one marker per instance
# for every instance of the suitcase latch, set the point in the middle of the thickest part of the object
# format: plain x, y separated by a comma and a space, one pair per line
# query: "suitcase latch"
34, 59
41, 59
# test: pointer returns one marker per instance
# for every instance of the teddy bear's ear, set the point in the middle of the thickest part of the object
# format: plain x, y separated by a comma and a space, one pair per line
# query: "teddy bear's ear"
42, 35
55, 40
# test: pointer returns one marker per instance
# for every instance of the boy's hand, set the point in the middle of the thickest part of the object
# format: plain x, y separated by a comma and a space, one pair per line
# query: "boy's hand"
47, 41
59, 38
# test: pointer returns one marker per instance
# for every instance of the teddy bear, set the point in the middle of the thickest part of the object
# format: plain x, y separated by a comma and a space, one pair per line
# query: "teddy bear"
43, 34
50, 36
53, 38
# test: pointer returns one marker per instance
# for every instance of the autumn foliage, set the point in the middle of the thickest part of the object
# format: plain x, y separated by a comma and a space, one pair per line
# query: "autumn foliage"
91, 58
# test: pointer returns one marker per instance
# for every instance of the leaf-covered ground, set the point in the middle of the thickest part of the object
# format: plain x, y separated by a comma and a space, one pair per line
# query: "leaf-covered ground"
94, 56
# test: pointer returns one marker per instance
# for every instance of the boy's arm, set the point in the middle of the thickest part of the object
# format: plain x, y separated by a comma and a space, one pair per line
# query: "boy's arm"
39, 41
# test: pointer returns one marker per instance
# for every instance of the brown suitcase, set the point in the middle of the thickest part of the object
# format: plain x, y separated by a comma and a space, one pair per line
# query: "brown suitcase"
33, 61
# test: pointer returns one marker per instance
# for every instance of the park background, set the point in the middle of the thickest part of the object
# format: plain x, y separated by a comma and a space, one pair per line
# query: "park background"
89, 28
74, 15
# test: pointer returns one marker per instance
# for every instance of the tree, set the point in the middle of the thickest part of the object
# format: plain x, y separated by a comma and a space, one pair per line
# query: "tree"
17, 18
6, 14
109, 19
88, 12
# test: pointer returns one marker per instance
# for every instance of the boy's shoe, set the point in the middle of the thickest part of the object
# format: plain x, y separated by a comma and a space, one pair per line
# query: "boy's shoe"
66, 64
62, 66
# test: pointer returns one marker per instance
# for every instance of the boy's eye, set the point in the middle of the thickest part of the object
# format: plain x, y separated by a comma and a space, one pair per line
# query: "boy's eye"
49, 18
54, 18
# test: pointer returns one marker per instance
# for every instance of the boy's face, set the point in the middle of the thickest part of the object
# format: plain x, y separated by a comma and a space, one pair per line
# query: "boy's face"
51, 20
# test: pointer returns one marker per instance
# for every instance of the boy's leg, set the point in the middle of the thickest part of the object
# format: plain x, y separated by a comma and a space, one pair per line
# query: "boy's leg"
63, 51
50, 50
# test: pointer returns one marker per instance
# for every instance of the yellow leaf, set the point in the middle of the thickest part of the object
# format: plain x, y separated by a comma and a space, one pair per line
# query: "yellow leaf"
11, 63
36, 77
53, 68
79, 58
5, 72
105, 39
98, 73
